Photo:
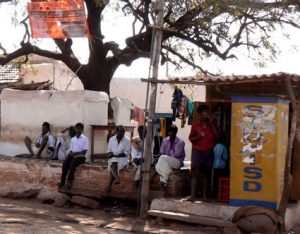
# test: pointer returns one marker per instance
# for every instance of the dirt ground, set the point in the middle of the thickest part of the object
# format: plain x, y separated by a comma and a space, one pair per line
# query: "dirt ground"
31, 216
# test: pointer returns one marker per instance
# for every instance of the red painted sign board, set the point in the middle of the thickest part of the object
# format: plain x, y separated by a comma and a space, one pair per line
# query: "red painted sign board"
57, 19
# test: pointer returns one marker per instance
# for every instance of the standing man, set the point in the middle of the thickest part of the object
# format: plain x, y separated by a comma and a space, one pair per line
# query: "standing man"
203, 136
44, 144
118, 150
76, 156
172, 156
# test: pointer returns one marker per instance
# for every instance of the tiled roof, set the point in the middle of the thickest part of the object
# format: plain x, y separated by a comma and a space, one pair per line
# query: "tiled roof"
9, 74
237, 78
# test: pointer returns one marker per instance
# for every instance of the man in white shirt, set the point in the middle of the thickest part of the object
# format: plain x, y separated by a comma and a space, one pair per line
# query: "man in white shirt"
44, 144
118, 151
76, 156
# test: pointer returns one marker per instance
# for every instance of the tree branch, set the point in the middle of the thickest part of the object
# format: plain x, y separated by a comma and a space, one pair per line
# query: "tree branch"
3, 49
185, 60
28, 48
26, 34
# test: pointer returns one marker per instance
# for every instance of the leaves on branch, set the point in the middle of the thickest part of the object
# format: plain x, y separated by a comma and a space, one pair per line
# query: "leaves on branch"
202, 27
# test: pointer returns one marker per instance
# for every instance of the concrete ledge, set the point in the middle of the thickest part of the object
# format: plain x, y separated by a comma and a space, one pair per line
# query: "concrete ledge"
23, 177
190, 218
212, 210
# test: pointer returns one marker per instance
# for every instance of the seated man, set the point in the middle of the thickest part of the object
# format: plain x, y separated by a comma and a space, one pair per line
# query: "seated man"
136, 153
76, 156
118, 150
63, 143
172, 156
43, 146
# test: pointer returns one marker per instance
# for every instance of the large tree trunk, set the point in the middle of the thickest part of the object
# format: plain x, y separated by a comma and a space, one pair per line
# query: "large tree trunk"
97, 74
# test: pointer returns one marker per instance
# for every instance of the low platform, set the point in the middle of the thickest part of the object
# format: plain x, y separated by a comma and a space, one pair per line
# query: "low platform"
21, 177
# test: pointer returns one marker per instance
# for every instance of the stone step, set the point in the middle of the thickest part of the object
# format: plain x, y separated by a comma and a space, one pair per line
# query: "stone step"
199, 208
189, 218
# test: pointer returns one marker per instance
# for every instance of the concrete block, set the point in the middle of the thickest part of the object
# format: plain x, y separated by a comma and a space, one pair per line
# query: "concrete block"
62, 200
86, 202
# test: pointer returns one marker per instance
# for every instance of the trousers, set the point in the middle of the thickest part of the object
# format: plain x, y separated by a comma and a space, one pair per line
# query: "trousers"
165, 165
69, 167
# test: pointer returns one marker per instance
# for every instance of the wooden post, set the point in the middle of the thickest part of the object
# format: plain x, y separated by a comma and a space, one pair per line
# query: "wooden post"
155, 56
287, 176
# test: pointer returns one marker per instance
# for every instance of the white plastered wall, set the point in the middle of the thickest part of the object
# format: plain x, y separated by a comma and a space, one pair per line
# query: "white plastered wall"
23, 112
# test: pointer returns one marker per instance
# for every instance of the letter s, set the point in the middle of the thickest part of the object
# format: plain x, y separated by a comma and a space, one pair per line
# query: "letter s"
253, 173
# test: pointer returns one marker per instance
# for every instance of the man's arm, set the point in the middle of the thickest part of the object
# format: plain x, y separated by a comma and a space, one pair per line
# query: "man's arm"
36, 141
194, 135
109, 148
179, 150
42, 146
70, 154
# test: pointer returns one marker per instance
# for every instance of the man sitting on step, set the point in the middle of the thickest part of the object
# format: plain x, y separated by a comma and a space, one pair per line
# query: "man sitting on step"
76, 156
118, 150
43, 145
172, 156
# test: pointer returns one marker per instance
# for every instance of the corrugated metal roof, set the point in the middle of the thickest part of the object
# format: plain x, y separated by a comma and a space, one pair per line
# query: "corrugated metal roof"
9, 74
237, 78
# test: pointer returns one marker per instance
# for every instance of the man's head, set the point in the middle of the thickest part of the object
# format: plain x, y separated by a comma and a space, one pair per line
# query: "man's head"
203, 111
79, 129
45, 127
172, 132
120, 132
142, 131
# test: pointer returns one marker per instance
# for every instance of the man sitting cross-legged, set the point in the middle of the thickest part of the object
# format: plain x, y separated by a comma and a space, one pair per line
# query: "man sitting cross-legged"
118, 151
172, 156
76, 156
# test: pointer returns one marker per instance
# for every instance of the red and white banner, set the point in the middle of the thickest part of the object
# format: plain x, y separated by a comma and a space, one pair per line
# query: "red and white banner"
57, 19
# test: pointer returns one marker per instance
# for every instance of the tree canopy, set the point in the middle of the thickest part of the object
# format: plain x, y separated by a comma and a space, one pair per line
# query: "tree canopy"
193, 31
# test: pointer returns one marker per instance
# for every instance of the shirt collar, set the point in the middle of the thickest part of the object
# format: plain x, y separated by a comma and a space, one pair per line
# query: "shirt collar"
79, 136
117, 139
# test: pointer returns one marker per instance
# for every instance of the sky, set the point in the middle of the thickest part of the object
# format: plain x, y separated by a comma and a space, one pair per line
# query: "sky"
120, 27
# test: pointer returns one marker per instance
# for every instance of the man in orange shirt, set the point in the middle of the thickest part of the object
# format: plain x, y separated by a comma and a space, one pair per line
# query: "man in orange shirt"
203, 135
